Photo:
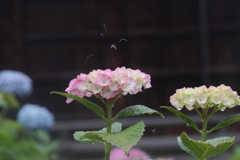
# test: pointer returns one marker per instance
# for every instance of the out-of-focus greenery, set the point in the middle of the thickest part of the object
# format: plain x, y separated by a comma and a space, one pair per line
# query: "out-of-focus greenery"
8, 100
235, 153
17, 143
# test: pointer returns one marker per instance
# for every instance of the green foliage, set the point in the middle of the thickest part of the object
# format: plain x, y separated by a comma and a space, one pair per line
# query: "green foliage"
94, 138
17, 144
209, 148
226, 122
136, 110
90, 105
8, 100
204, 150
235, 155
185, 118
125, 139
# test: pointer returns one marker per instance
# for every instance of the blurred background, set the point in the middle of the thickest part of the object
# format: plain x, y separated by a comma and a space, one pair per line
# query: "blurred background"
180, 43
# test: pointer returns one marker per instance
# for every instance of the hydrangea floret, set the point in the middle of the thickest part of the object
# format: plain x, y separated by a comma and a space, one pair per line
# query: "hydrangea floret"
108, 86
32, 116
206, 102
15, 82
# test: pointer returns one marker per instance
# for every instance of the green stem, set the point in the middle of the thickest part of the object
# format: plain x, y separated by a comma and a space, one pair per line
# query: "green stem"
196, 109
205, 119
109, 130
205, 123
204, 130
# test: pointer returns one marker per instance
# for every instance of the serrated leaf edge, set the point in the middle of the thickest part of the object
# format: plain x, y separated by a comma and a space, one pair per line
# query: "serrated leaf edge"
233, 139
126, 151
204, 154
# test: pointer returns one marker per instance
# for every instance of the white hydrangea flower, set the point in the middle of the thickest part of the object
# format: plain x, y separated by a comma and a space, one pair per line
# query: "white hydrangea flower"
222, 96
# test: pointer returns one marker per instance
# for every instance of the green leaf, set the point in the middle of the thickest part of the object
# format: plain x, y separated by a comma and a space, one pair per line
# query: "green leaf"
49, 147
125, 139
235, 154
204, 150
92, 137
90, 105
5, 139
182, 146
184, 117
8, 100
116, 128
226, 122
4, 152
10, 127
41, 136
136, 110
80, 136
26, 149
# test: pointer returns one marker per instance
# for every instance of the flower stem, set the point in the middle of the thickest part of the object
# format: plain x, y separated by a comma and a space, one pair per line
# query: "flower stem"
109, 130
204, 130
205, 119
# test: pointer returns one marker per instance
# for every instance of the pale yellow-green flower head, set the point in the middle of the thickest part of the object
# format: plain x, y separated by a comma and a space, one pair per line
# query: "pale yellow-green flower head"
202, 97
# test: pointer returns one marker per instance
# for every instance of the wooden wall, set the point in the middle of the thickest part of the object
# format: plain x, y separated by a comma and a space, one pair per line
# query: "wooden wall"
179, 42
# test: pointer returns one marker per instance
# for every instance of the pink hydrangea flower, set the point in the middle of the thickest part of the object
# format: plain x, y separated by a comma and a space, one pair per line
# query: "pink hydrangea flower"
119, 154
109, 84
203, 97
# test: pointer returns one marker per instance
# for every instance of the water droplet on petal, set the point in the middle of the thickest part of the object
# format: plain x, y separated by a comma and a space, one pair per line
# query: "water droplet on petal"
222, 109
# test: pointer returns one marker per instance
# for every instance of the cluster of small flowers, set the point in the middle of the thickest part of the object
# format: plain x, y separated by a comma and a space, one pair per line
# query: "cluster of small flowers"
15, 82
135, 153
119, 154
33, 116
109, 83
203, 97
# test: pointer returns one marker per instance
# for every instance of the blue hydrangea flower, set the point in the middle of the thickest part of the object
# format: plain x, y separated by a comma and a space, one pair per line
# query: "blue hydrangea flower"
15, 82
33, 116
